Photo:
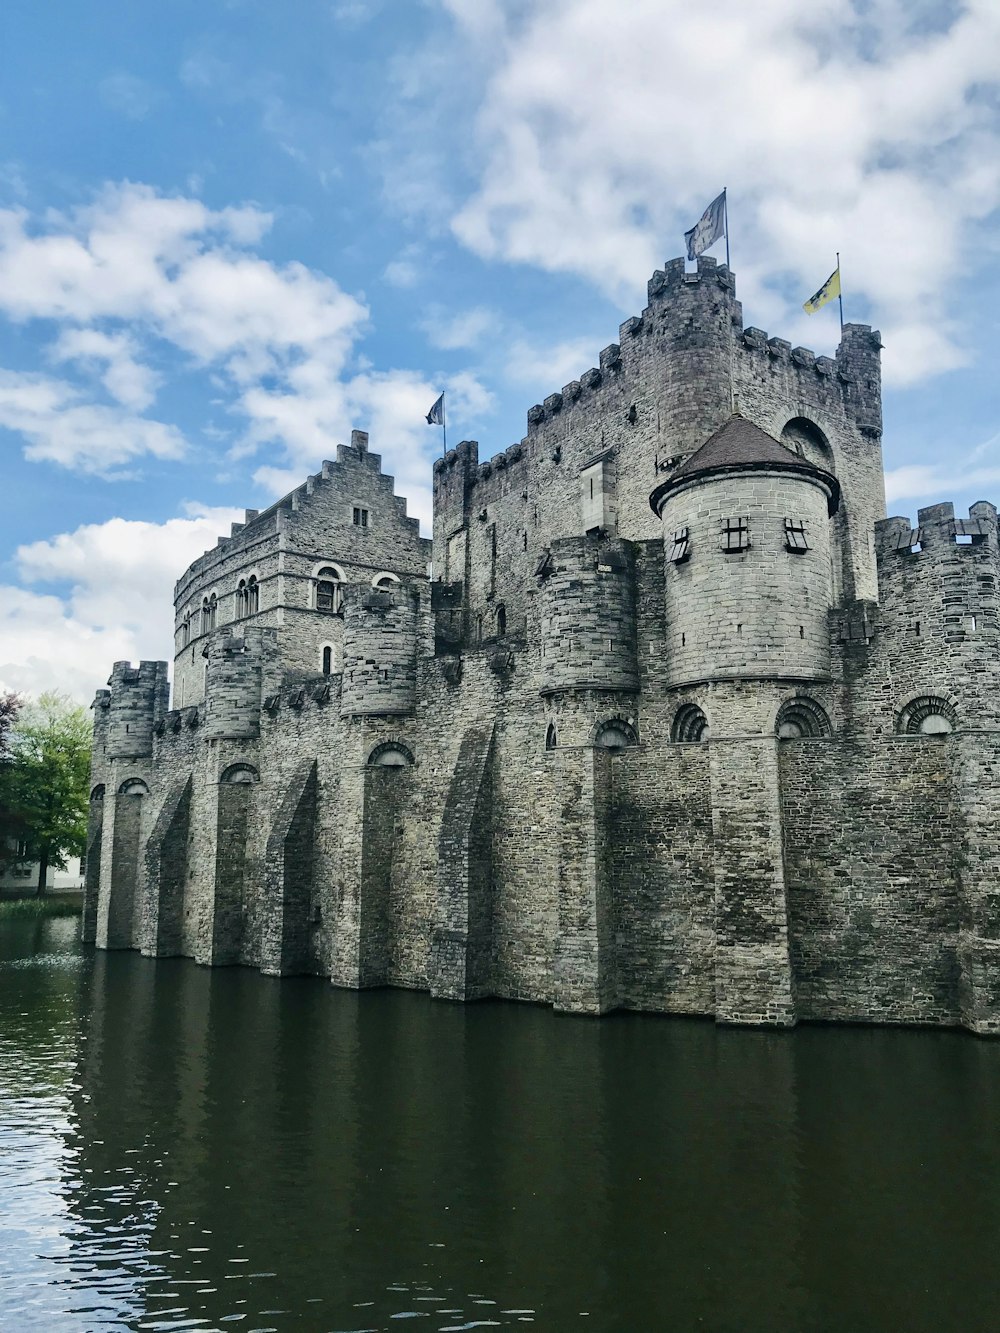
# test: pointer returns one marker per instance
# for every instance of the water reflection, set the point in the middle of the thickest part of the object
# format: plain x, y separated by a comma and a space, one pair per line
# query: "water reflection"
186, 1148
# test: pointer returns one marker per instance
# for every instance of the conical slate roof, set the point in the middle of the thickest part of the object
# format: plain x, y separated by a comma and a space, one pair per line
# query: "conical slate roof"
740, 446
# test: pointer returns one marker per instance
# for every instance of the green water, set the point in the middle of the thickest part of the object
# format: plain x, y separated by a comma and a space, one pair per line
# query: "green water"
186, 1148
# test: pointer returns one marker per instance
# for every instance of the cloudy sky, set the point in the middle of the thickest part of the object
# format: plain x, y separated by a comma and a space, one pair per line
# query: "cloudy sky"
231, 231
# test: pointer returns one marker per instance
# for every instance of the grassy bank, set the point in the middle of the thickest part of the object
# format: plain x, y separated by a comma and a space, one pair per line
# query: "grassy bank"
49, 905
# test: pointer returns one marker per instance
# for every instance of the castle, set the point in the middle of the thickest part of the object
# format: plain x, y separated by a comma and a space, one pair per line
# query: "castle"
667, 717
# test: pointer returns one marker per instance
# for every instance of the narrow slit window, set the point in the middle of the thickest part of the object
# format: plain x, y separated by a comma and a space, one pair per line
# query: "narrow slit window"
360, 517
735, 534
795, 536
681, 548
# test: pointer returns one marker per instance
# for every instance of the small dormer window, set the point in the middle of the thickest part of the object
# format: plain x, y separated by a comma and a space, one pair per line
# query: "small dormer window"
360, 517
795, 536
735, 534
681, 548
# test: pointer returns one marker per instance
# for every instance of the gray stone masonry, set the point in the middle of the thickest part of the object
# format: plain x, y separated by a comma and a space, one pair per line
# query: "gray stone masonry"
677, 721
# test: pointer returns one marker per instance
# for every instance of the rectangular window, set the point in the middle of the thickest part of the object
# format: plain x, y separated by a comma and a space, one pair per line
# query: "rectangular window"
681, 548
735, 534
360, 517
795, 535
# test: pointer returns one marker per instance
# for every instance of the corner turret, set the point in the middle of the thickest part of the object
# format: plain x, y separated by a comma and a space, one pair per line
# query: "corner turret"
139, 697
380, 652
238, 661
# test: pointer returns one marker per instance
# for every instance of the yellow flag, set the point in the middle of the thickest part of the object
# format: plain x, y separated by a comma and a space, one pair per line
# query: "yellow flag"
827, 292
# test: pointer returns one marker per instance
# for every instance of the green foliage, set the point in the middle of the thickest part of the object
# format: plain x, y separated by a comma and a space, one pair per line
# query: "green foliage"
44, 781
16, 908
10, 705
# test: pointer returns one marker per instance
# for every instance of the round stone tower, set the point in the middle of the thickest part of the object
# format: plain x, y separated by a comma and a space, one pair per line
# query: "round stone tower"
139, 698
380, 652
233, 677
588, 617
747, 537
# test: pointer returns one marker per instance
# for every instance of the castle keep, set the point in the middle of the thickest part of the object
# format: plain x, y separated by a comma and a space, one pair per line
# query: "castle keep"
668, 716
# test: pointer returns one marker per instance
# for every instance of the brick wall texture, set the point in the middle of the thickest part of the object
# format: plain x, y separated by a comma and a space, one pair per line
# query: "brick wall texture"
582, 759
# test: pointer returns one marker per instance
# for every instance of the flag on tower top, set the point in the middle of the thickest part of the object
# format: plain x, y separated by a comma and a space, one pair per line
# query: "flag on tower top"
435, 417
707, 230
827, 292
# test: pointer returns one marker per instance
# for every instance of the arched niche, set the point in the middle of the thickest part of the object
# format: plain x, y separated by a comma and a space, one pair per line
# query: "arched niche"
926, 715
690, 725
801, 718
809, 442
244, 774
615, 734
391, 754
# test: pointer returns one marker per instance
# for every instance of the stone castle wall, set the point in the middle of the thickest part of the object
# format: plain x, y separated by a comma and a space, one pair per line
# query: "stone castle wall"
558, 771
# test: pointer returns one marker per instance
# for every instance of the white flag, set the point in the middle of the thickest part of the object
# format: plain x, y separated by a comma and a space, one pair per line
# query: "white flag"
708, 229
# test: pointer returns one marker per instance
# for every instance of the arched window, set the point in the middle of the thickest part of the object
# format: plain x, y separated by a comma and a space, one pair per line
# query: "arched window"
253, 595
206, 622
551, 737
928, 715
690, 724
242, 604
616, 734
390, 754
213, 610
479, 629
501, 620
186, 631
240, 773
801, 718
98, 793
133, 787
327, 660
806, 438
329, 582
385, 581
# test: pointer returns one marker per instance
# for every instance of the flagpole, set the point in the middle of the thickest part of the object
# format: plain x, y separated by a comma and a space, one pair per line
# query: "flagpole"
444, 422
725, 205
840, 294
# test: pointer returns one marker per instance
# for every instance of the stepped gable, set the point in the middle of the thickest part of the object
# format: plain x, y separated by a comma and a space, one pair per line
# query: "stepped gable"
741, 446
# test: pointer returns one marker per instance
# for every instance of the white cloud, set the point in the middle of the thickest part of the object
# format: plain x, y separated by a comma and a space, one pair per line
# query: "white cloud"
136, 274
114, 600
402, 272
545, 367
60, 426
919, 481
129, 95
113, 356
869, 129
465, 329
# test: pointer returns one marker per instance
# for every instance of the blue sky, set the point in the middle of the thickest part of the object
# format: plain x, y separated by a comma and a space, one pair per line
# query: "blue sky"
231, 231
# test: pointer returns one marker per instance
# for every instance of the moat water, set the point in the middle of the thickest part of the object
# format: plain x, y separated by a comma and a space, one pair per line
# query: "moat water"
183, 1148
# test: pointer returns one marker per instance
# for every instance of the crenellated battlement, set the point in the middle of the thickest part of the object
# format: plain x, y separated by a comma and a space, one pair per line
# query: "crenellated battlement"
937, 531
138, 697
732, 752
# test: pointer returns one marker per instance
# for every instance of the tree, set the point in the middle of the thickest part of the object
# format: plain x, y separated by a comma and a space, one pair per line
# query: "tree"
10, 705
44, 783
10, 824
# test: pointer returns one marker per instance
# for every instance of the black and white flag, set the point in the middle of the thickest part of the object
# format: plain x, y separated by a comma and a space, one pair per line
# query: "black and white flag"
435, 417
708, 228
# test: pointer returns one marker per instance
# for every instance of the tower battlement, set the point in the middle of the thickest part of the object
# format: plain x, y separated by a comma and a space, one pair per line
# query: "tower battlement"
677, 720
138, 698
